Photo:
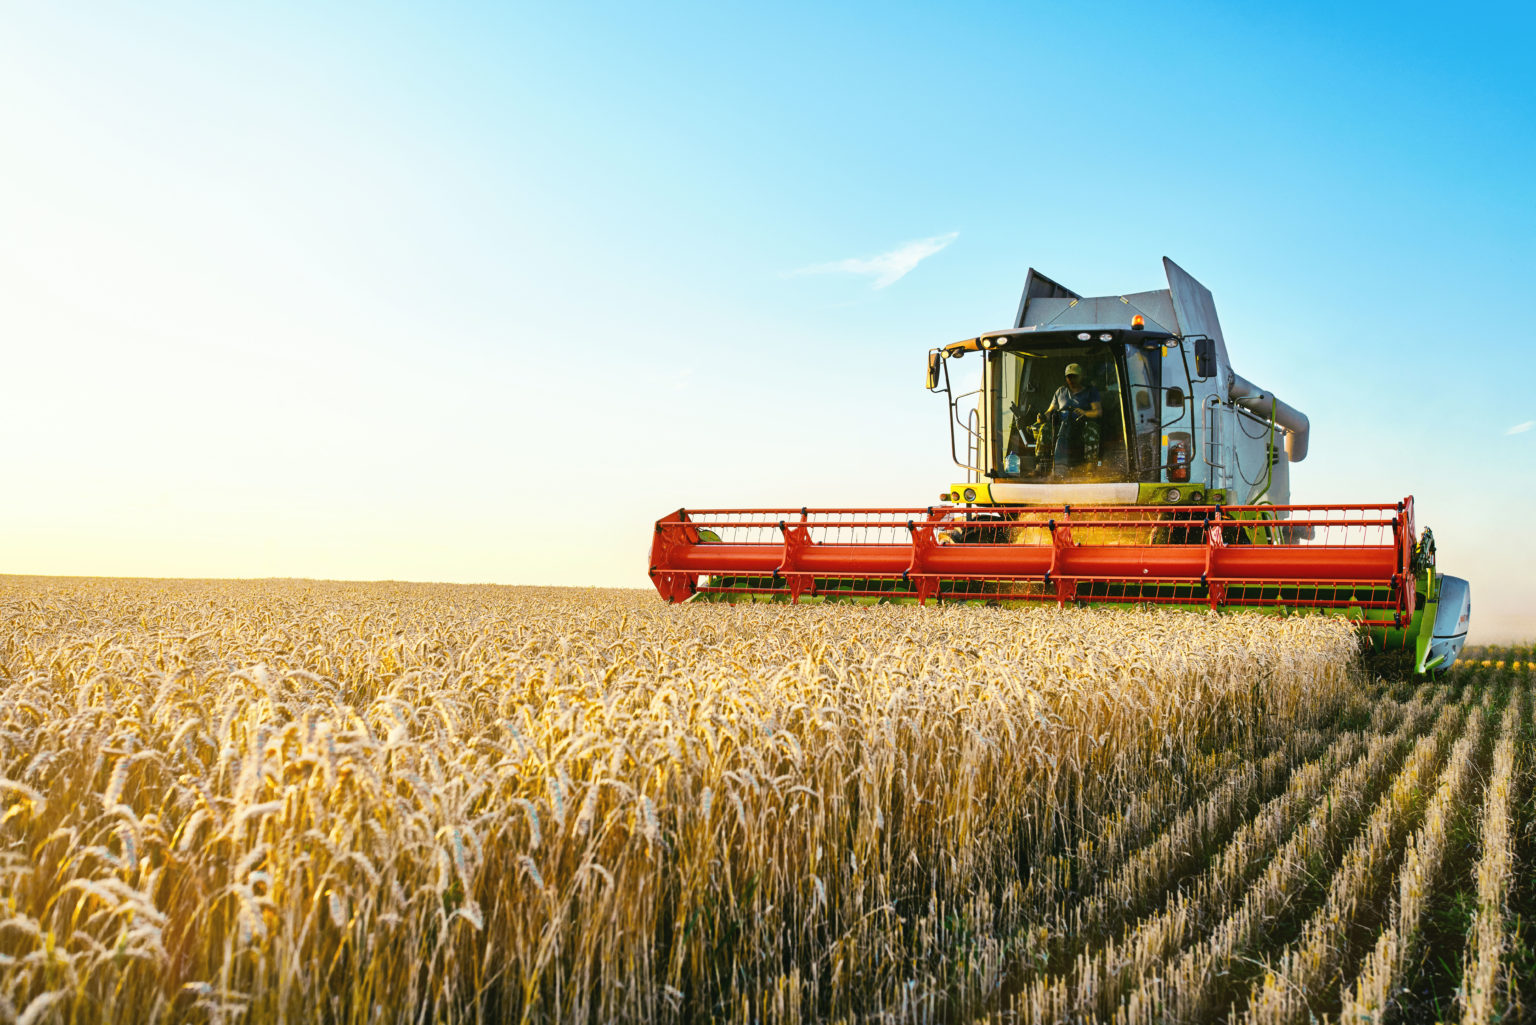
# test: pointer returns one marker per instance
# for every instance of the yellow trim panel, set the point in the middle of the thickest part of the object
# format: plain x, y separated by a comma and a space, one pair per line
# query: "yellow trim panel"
972, 493
1012, 493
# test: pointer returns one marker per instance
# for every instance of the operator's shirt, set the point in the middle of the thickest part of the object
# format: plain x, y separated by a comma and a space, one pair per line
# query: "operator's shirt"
1066, 401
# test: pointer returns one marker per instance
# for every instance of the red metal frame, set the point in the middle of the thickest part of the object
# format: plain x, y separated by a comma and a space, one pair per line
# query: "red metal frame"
1352, 557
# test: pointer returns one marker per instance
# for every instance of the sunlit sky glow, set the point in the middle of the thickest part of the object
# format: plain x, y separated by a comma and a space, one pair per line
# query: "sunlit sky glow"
464, 293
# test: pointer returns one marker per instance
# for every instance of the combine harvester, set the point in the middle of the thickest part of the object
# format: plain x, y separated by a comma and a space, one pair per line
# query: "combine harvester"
1155, 474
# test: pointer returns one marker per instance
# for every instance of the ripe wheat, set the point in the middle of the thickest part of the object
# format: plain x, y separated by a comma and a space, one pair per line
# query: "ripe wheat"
287, 800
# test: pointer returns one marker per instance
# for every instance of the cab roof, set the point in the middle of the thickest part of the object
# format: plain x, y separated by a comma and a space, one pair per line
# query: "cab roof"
1058, 334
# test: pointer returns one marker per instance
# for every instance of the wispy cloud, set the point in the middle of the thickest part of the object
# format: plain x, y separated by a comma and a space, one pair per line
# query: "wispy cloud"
1521, 428
886, 268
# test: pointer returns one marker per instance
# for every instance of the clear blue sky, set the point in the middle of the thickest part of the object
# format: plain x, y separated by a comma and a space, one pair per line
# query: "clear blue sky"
450, 292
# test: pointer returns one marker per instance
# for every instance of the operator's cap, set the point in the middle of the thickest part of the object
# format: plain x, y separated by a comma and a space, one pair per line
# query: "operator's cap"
1074, 368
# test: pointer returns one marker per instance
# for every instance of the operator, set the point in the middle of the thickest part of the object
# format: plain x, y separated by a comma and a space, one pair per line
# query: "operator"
1076, 401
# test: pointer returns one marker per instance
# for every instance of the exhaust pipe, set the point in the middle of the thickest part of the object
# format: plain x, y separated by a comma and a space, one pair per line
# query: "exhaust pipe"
1256, 400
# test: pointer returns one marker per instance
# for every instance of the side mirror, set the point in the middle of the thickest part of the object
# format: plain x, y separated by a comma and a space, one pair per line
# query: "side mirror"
935, 360
1175, 398
1205, 357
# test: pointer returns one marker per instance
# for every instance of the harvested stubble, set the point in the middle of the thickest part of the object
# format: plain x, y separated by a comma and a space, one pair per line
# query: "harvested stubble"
289, 801
1289, 991
1299, 932
1218, 923
1484, 995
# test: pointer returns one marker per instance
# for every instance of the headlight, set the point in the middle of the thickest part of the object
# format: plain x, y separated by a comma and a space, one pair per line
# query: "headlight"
970, 494
1173, 494
1084, 336
1106, 337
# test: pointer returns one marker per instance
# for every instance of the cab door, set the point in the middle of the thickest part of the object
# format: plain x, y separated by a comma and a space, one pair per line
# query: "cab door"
1179, 420
1144, 410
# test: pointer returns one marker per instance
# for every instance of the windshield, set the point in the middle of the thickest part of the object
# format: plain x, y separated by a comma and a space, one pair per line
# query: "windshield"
1056, 427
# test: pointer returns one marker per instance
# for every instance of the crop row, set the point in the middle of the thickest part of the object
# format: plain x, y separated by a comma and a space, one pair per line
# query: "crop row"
1315, 907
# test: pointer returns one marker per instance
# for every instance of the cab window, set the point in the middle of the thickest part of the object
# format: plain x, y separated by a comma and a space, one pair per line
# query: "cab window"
1027, 381
1144, 409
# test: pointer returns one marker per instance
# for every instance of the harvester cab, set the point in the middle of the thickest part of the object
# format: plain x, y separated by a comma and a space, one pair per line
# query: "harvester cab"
1112, 455
1177, 425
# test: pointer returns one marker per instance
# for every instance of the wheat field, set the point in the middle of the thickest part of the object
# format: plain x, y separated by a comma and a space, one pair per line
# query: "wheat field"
298, 801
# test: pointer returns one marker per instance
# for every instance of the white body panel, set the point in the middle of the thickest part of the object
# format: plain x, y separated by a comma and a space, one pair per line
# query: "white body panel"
1451, 620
